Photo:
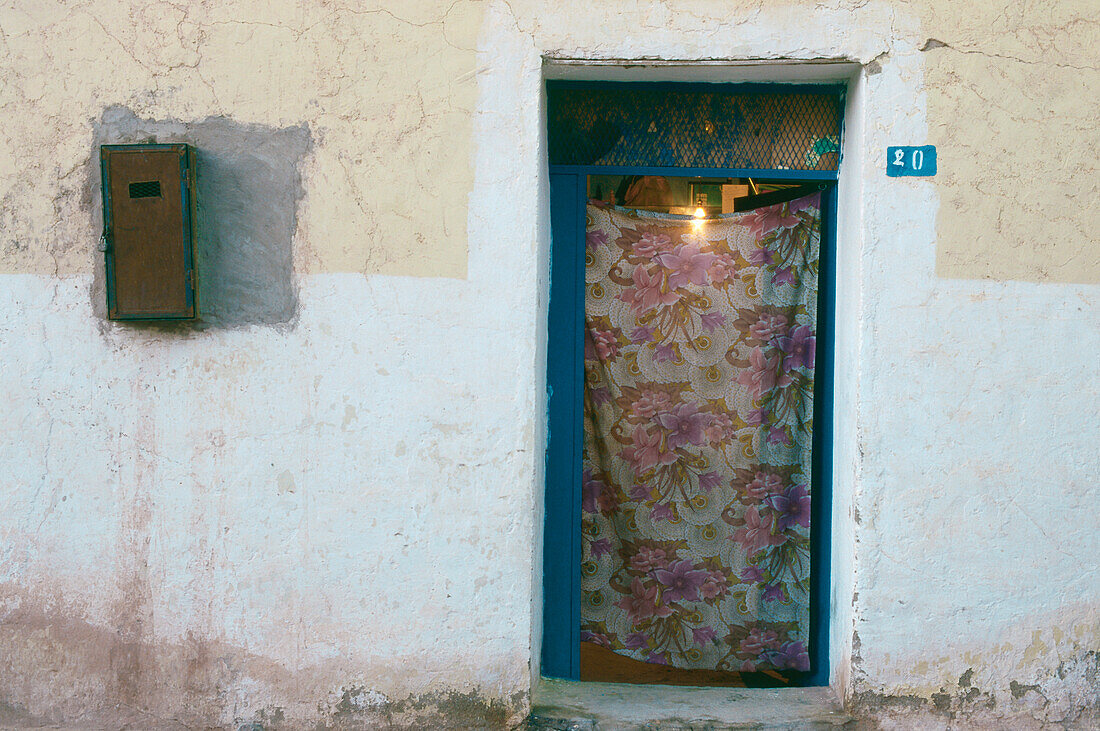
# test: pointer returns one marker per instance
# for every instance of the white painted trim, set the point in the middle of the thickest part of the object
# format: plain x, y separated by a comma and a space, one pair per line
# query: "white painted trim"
710, 71
849, 237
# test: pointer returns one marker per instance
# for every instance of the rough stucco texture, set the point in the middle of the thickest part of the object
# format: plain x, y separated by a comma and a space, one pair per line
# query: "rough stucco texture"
1013, 97
247, 191
332, 517
388, 92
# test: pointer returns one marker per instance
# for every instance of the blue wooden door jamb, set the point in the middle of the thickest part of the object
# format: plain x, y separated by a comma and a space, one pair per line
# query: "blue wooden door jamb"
821, 502
565, 389
565, 393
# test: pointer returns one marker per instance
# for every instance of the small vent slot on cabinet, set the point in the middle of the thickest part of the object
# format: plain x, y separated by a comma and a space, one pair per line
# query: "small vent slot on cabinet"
147, 189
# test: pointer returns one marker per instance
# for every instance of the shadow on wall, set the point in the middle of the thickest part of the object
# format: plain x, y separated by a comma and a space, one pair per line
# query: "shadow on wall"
248, 187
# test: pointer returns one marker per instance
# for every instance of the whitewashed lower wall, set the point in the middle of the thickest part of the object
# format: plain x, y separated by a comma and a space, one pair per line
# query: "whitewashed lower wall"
336, 520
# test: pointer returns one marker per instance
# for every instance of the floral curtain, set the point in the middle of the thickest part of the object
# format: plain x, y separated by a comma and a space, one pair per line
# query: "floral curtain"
699, 373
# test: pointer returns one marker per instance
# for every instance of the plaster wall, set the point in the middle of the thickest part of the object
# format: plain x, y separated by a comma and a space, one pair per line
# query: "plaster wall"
333, 517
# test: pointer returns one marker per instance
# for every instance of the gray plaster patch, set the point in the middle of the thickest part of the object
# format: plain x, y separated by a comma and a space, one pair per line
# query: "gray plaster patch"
248, 187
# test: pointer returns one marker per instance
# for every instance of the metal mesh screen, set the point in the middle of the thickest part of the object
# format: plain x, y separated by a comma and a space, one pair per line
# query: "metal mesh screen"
662, 126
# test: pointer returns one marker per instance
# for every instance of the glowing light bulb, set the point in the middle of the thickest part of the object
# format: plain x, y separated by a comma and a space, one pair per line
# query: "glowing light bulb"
698, 222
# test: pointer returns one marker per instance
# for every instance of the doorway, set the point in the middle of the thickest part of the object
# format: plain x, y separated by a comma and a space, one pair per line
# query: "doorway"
665, 572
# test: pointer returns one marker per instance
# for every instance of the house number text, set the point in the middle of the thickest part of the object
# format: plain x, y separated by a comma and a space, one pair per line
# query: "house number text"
911, 160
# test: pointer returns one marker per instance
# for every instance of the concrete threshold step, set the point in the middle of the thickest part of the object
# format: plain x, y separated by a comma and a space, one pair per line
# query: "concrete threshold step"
563, 705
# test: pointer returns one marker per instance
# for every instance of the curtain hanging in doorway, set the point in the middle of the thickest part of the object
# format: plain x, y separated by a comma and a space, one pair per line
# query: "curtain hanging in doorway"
699, 370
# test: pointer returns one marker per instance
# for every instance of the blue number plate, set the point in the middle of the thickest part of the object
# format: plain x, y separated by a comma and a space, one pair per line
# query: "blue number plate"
910, 160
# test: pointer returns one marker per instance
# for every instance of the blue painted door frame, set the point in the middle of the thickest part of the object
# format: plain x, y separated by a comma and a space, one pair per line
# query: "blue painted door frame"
565, 396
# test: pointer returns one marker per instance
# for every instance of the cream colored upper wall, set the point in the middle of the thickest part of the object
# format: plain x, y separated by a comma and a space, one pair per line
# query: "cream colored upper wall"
387, 91
1013, 104
263, 519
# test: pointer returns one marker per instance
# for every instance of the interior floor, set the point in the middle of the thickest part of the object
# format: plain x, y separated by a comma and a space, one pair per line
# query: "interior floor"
599, 664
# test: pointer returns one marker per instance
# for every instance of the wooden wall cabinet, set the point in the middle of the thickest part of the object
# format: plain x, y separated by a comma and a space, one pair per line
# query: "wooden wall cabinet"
148, 232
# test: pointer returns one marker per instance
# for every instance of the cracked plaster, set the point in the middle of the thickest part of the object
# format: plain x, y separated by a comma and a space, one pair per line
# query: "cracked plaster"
256, 526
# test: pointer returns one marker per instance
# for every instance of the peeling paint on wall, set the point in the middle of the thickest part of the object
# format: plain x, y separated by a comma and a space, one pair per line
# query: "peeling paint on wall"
335, 519
1059, 685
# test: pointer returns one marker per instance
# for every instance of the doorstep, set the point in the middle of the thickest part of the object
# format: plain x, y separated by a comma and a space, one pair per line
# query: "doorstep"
566, 705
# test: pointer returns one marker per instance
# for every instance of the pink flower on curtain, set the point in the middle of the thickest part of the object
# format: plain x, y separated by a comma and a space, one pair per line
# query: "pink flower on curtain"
681, 581
714, 586
709, 480
703, 635
809, 203
595, 239
779, 435
591, 487
751, 575
635, 641
762, 484
768, 326
642, 333
719, 429
792, 507
760, 257
762, 374
688, 264
596, 638
650, 403
756, 417
662, 511
647, 451
783, 275
773, 593
664, 353
799, 346
757, 533
641, 603
596, 495
647, 559
648, 291
712, 320
765, 220
650, 245
722, 268
600, 547
758, 641
685, 425
791, 655
603, 342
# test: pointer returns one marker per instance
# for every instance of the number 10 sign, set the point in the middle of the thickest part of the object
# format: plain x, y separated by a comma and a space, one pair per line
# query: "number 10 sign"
910, 160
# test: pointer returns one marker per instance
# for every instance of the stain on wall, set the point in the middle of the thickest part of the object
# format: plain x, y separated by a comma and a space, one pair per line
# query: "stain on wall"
248, 187
101, 678
1059, 667
193, 532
